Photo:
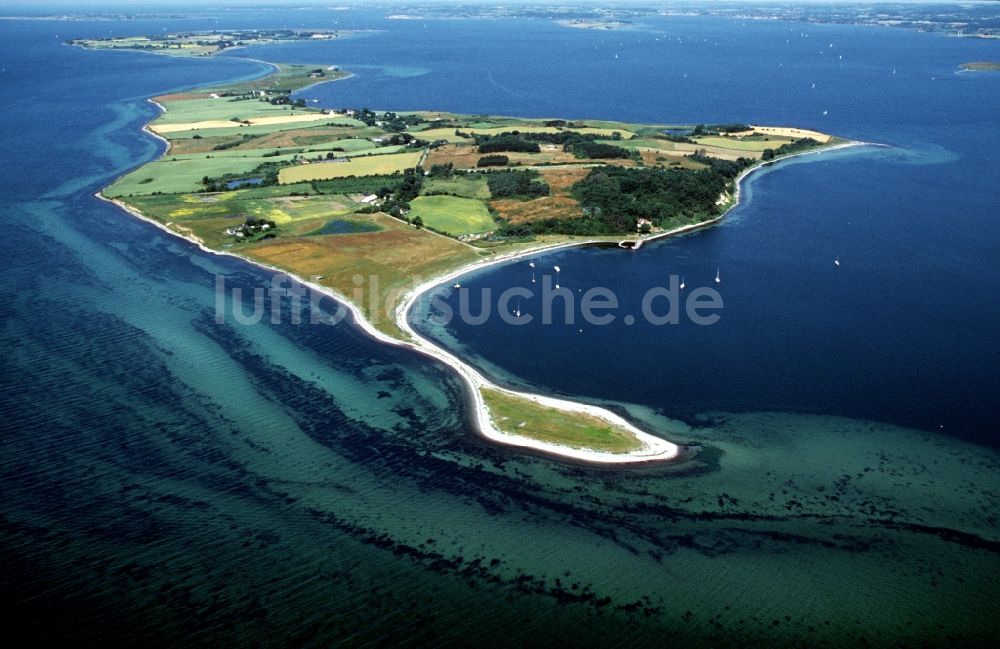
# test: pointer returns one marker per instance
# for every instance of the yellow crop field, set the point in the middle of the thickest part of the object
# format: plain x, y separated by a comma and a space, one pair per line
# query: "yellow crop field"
374, 165
164, 129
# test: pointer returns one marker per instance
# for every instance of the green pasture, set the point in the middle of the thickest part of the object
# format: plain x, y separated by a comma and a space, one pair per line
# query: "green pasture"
466, 186
452, 214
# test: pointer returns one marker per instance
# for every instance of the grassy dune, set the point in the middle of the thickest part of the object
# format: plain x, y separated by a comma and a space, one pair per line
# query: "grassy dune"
518, 416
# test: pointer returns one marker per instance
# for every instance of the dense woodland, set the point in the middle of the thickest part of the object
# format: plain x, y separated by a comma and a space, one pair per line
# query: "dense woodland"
517, 184
614, 199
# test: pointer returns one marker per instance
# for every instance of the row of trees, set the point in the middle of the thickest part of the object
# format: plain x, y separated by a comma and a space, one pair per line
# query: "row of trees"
493, 160
716, 129
791, 147
600, 151
506, 142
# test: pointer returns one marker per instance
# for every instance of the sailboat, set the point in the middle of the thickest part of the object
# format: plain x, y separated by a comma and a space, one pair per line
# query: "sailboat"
717, 278
557, 276
682, 283
532, 264
517, 313
836, 262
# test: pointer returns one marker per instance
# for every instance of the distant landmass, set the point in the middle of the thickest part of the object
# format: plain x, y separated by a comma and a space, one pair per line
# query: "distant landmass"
982, 66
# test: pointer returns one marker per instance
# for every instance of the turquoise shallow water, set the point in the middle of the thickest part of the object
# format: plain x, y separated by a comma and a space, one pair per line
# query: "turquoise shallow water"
174, 481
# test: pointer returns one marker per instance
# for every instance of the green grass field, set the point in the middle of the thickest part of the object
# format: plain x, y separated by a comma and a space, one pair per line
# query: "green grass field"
519, 416
643, 143
359, 166
464, 186
208, 215
453, 215
263, 129
182, 174
200, 110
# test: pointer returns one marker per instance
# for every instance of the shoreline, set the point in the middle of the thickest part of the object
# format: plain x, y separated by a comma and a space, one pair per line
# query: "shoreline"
655, 449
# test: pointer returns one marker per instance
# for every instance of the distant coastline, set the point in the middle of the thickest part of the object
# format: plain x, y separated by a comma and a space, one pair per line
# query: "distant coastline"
981, 66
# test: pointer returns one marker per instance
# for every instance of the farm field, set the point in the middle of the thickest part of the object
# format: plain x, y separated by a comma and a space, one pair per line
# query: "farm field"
207, 216
183, 173
389, 262
757, 144
464, 186
205, 108
358, 166
453, 215
288, 117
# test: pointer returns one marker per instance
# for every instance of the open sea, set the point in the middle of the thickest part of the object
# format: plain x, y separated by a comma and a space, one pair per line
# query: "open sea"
172, 481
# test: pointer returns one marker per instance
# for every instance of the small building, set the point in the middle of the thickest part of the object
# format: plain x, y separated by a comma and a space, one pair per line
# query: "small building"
369, 199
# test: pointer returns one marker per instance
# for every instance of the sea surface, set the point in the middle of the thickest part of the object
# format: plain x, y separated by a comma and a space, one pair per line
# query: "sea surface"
170, 480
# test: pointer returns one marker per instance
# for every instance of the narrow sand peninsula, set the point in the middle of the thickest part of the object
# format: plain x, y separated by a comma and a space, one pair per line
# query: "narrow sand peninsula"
653, 448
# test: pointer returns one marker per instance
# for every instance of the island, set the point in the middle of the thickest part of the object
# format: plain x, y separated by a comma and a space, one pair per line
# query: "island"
206, 43
332, 195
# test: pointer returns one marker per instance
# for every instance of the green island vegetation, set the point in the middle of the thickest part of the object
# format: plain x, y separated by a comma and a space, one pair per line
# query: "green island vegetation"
250, 151
982, 66
401, 198
515, 415
206, 43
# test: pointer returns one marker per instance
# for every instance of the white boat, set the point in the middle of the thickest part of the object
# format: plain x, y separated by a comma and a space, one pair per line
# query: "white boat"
682, 283
836, 262
457, 286
717, 278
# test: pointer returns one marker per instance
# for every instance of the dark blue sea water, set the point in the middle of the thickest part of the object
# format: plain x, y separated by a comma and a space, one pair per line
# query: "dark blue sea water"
903, 331
170, 480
